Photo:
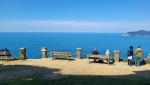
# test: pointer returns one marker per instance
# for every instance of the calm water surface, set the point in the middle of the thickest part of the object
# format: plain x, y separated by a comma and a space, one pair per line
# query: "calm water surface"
70, 41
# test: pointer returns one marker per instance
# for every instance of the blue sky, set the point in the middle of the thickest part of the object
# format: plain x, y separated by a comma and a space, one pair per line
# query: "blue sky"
74, 15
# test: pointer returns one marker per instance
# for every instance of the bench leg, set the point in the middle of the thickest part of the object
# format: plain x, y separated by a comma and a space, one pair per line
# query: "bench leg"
68, 58
107, 61
53, 58
89, 61
6, 58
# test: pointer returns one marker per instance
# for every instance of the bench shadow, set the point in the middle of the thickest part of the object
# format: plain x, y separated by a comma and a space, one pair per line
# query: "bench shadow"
102, 62
64, 59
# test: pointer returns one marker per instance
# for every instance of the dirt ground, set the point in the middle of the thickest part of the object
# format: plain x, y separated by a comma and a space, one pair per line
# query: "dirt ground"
47, 67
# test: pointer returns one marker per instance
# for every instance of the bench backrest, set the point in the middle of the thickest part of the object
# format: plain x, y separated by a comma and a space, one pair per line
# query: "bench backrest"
66, 54
97, 56
3, 53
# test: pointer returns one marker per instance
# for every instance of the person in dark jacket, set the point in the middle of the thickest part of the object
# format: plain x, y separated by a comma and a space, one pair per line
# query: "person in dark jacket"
130, 55
8, 52
95, 52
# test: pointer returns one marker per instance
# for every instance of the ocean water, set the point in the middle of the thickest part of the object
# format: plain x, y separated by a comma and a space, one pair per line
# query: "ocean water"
33, 42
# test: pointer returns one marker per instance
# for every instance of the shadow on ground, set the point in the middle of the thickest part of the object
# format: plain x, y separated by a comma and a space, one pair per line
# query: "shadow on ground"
34, 75
24, 71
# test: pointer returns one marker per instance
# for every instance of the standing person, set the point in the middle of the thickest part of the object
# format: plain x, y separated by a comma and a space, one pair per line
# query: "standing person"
107, 53
130, 55
138, 54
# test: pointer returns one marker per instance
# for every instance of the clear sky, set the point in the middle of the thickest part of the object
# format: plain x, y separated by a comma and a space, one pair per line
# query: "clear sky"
74, 15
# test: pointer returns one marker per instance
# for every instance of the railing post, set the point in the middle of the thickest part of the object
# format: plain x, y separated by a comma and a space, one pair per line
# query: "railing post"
116, 56
44, 52
22, 53
79, 53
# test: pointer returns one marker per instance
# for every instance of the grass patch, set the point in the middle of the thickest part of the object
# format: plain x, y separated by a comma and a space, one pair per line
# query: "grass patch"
148, 62
79, 80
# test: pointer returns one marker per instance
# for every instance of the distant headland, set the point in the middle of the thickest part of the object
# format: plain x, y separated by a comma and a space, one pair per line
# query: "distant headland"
138, 33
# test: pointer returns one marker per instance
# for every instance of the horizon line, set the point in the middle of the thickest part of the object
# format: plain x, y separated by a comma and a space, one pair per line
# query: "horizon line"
60, 32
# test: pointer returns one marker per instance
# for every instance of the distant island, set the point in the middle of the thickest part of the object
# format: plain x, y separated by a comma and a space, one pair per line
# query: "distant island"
138, 33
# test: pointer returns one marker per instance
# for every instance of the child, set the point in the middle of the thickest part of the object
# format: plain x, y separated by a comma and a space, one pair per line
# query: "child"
107, 55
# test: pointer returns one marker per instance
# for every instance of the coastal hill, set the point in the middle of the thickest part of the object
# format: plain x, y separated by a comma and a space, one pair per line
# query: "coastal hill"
138, 33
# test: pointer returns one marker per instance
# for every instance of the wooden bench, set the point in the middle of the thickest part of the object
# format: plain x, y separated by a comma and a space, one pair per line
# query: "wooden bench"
98, 57
60, 55
4, 55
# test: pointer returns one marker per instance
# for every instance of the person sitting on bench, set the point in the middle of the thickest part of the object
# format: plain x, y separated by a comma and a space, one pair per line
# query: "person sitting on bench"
95, 52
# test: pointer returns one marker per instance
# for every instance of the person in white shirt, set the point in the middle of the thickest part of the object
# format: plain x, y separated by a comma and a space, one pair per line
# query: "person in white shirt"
107, 53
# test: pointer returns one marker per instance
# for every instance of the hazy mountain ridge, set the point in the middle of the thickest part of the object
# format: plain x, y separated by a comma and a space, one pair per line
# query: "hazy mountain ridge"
138, 33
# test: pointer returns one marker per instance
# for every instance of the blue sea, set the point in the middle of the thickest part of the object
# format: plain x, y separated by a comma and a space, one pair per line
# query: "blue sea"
33, 42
